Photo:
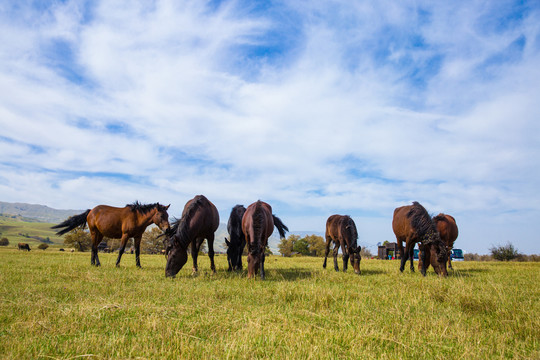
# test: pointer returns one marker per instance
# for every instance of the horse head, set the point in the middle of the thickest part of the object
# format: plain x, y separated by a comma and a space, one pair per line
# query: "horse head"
354, 256
438, 254
234, 255
176, 256
161, 217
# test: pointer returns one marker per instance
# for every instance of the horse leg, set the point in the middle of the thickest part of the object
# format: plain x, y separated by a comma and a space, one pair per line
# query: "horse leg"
262, 265
210, 241
405, 256
345, 259
326, 251
195, 246
424, 261
96, 239
124, 240
420, 256
411, 257
138, 250
401, 254
450, 259
335, 253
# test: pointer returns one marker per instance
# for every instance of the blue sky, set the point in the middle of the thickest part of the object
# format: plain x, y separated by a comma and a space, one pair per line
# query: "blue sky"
320, 107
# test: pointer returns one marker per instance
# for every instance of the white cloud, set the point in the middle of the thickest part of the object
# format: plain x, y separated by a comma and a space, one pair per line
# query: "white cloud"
357, 108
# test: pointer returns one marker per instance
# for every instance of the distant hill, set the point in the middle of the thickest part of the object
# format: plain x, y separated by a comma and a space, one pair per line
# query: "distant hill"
33, 212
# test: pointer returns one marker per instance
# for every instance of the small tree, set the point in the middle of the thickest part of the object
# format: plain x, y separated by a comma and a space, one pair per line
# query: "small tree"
317, 246
285, 246
78, 239
504, 253
301, 246
151, 242
4, 241
365, 253
43, 246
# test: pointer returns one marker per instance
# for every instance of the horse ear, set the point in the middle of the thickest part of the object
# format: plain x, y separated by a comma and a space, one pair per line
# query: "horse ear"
227, 242
167, 207
358, 249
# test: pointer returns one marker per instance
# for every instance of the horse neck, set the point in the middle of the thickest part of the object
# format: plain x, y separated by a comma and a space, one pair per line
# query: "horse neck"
147, 218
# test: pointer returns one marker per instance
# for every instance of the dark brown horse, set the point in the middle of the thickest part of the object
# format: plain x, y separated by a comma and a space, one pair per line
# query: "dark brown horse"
341, 230
448, 231
118, 223
413, 224
258, 224
237, 240
24, 246
199, 221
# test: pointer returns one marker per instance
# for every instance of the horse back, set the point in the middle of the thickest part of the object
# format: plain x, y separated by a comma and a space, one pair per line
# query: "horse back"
205, 220
261, 219
401, 224
111, 221
447, 228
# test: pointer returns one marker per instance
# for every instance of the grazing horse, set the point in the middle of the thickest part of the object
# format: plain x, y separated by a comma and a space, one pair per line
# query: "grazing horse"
341, 230
24, 246
199, 221
448, 231
118, 223
237, 242
413, 224
258, 224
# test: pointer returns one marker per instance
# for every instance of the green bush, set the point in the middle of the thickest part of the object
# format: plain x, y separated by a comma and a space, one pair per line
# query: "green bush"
504, 253
4, 241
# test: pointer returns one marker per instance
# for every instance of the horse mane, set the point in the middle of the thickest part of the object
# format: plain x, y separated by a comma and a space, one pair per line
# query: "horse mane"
421, 222
235, 222
143, 209
424, 226
257, 222
440, 217
181, 226
353, 232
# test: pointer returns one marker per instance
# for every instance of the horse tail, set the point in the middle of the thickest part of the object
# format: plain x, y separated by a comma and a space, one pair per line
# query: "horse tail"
72, 222
181, 236
282, 228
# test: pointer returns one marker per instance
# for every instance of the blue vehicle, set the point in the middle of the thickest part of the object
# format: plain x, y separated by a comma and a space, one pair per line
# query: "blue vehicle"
415, 256
457, 255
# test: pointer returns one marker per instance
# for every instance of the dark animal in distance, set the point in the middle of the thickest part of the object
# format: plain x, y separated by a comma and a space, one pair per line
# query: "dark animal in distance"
199, 221
237, 239
448, 231
341, 230
258, 224
412, 224
24, 246
118, 223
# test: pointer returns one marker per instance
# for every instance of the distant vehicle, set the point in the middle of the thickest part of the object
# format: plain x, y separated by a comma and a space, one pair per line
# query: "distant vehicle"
415, 256
457, 255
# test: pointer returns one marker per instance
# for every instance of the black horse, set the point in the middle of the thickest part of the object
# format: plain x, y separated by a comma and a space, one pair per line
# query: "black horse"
237, 242
200, 220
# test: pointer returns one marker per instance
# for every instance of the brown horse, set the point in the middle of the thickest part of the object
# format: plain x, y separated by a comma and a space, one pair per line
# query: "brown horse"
258, 224
413, 224
24, 246
448, 231
341, 230
118, 223
199, 221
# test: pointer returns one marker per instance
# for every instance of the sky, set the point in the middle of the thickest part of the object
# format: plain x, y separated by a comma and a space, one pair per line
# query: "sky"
316, 107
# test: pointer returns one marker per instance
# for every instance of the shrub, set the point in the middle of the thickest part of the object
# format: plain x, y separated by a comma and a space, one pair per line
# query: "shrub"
43, 246
4, 241
504, 253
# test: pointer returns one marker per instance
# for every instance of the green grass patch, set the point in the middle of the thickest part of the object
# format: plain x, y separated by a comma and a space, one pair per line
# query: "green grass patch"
55, 305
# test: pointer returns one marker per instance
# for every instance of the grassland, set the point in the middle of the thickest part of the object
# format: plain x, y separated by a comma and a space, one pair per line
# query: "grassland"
54, 305
15, 229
